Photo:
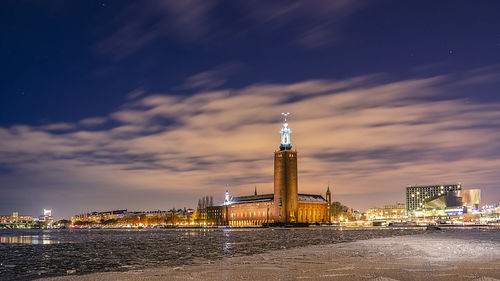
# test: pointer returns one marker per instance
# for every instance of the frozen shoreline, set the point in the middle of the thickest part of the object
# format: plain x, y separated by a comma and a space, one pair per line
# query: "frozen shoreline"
431, 256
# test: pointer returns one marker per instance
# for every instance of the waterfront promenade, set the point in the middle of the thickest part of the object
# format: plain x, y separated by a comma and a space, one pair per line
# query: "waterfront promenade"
434, 255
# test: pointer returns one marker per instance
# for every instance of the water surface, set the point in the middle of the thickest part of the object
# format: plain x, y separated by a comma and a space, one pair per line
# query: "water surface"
31, 254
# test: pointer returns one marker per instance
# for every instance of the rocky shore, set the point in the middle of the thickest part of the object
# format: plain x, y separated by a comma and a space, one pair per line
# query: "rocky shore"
436, 255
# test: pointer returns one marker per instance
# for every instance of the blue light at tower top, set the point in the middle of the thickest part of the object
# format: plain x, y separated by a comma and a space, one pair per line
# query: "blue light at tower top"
286, 143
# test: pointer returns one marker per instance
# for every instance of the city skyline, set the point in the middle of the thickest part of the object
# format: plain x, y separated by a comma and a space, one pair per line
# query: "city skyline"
107, 112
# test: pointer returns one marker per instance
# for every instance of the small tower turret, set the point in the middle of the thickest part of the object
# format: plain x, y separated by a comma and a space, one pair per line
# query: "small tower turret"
329, 200
328, 195
227, 199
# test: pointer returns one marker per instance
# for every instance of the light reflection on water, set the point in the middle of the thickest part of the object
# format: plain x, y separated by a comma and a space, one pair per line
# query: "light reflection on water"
27, 239
227, 243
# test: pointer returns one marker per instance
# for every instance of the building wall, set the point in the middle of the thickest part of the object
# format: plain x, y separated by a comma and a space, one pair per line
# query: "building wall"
16, 219
471, 198
247, 214
285, 186
216, 215
388, 212
416, 195
244, 214
313, 212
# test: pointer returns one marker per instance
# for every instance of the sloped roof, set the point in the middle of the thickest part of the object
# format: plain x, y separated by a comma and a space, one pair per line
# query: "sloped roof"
308, 198
311, 198
252, 199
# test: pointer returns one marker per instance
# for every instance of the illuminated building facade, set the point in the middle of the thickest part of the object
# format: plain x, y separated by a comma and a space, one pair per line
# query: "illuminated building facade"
471, 198
16, 218
416, 195
453, 203
284, 206
441, 200
491, 213
47, 217
388, 212
20, 221
124, 218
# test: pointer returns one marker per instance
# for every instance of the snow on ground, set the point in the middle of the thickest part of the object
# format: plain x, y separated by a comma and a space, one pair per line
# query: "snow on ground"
440, 255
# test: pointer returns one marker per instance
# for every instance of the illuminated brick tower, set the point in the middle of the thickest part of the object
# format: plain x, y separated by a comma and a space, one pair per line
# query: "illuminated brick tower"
285, 179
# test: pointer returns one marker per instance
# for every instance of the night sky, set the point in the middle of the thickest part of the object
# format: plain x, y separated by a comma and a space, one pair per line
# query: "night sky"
149, 105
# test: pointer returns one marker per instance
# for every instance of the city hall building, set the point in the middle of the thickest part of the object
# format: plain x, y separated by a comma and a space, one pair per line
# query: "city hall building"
284, 206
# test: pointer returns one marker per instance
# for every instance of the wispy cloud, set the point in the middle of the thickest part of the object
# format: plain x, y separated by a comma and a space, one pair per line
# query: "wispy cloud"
93, 121
58, 127
136, 93
213, 78
142, 23
483, 75
363, 134
194, 21
320, 20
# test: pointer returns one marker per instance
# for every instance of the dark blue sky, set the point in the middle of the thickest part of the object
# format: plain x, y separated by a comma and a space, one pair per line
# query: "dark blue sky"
53, 68
66, 61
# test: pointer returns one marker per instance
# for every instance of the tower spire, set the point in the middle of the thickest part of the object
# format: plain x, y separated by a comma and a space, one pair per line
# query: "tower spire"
255, 192
285, 115
328, 195
227, 198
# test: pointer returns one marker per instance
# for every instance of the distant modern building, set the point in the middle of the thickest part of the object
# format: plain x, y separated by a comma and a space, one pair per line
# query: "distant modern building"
471, 198
284, 206
47, 212
416, 195
441, 200
454, 203
491, 212
46, 217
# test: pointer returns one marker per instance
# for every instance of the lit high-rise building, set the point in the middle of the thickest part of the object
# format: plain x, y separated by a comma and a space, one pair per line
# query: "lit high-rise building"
47, 212
416, 195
